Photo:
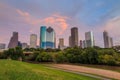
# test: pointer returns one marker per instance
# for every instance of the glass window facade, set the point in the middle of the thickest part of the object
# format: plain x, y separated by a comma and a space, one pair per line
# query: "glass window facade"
47, 37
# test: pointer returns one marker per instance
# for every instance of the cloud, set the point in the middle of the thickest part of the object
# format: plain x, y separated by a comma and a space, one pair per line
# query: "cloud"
113, 27
58, 22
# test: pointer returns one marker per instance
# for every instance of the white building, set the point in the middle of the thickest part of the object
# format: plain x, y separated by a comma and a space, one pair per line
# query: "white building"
89, 38
33, 41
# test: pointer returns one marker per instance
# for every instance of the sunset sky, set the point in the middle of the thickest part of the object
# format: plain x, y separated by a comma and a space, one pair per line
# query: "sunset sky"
26, 17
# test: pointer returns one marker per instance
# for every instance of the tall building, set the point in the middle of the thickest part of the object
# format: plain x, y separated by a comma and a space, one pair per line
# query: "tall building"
81, 43
108, 41
111, 42
61, 43
74, 36
89, 38
47, 37
43, 37
13, 41
2, 46
84, 44
33, 41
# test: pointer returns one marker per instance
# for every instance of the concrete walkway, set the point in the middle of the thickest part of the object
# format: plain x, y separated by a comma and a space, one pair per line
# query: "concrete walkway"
84, 70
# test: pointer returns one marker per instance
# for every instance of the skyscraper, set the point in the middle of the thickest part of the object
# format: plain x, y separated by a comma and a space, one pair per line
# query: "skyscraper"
61, 43
50, 38
33, 41
84, 44
13, 41
43, 37
89, 38
108, 41
47, 37
81, 43
111, 42
74, 36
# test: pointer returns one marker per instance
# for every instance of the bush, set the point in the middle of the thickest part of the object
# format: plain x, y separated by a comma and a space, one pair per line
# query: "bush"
14, 53
59, 57
44, 57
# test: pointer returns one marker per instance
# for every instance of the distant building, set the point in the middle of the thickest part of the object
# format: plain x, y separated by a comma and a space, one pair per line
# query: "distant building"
13, 41
2, 46
84, 44
81, 43
89, 38
74, 36
24, 45
33, 41
111, 42
47, 37
61, 43
108, 41
19, 44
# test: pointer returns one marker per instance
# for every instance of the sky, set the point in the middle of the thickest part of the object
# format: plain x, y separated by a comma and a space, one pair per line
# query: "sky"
26, 17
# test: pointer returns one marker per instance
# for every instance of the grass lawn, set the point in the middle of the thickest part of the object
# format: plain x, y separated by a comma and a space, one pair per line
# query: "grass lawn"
15, 70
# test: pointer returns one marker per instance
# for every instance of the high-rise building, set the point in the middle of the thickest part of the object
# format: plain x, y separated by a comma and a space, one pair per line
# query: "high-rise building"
13, 41
47, 37
81, 43
61, 43
89, 38
111, 42
84, 44
43, 37
74, 36
33, 41
108, 41
2, 46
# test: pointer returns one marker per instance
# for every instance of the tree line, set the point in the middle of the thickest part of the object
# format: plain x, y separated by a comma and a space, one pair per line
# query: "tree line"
68, 55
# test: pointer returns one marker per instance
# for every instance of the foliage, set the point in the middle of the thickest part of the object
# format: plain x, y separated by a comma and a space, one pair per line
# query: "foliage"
14, 53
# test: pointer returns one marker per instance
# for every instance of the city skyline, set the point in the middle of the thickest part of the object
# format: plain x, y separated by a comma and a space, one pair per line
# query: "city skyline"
62, 16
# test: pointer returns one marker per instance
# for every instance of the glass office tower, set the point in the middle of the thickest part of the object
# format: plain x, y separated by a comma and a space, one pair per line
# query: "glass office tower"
43, 37
47, 37
89, 37
50, 38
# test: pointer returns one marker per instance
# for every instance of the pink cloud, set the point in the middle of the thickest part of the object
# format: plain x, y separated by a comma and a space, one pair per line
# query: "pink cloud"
58, 22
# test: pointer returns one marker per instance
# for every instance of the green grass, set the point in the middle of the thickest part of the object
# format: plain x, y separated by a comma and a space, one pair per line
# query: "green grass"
15, 70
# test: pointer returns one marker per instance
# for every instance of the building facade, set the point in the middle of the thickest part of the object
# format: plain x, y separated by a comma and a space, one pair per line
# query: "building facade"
89, 38
2, 46
74, 36
108, 41
24, 45
61, 43
13, 41
81, 44
47, 37
33, 41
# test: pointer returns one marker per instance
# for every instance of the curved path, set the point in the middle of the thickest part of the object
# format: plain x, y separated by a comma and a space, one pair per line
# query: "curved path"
84, 70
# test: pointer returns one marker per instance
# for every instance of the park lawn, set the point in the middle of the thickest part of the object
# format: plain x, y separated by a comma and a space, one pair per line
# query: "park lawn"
16, 70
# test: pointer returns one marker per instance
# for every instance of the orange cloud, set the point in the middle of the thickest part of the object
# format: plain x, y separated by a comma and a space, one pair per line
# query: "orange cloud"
58, 22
